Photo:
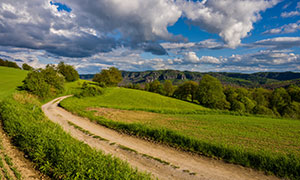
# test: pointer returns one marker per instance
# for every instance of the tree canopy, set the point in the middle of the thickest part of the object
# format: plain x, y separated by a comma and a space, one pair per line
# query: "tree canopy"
68, 72
108, 77
26, 67
210, 93
44, 82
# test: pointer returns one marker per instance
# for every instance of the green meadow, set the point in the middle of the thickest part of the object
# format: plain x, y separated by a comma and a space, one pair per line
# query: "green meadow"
263, 143
130, 99
10, 79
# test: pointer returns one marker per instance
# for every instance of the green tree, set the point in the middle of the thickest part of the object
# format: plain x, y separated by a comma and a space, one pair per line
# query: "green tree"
187, 90
9, 64
147, 87
35, 83
109, 77
292, 110
26, 67
156, 87
280, 100
210, 93
54, 79
168, 88
68, 71
294, 92
44, 82
261, 96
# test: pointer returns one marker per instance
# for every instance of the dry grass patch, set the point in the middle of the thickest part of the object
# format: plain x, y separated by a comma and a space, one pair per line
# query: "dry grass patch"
130, 116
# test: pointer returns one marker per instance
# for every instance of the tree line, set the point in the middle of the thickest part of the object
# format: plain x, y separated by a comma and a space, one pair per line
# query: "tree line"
11, 64
210, 93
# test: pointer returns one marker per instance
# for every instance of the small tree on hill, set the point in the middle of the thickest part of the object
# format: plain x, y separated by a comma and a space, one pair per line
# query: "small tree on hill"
168, 88
68, 72
280, 100
186, 90
27, 67
210, 93
156, 87
109, 77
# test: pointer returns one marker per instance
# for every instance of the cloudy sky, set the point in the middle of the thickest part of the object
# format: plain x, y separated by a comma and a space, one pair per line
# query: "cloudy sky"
208, 35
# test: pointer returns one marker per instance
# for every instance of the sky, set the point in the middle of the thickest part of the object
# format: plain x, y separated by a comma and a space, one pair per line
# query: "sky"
243, 36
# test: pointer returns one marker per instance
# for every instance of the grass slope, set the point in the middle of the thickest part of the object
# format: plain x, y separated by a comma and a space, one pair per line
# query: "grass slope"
262, 143
10, 78
54, 151
131, 99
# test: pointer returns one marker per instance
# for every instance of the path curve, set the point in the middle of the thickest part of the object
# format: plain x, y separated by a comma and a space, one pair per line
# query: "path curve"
182, 165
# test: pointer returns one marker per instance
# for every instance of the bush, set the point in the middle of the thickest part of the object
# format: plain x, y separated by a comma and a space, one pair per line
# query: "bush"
27, 67
68, 72
89, 90
110, 77
44, 82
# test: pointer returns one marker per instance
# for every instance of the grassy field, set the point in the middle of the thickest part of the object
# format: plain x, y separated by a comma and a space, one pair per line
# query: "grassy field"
10, 78
263, 143
131, 99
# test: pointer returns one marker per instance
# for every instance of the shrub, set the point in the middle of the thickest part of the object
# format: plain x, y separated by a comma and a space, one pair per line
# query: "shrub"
27, 67
44, 82
110, 77
68, 72
89, 90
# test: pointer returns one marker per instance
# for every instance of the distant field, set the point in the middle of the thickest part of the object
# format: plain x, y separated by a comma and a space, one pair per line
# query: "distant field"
130, 99
262, 143
10, 78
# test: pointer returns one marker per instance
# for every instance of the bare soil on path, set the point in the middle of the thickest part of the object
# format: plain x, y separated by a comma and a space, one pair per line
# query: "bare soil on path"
161, 161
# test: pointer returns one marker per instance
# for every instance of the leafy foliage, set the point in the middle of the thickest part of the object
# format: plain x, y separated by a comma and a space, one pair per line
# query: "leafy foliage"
68, 72
187, 90
88, 89
210, 93
44, 82
156, 87
9, 64
168, 88
108, 77
26, 67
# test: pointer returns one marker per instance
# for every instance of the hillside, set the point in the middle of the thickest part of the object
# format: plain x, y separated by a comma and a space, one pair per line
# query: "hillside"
10, 78
264, 79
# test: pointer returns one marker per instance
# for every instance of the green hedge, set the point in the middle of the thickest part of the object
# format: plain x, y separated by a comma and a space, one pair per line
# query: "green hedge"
55, 152
280, 165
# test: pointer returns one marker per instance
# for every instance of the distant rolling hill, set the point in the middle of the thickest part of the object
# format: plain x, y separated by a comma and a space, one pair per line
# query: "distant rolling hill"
261, 79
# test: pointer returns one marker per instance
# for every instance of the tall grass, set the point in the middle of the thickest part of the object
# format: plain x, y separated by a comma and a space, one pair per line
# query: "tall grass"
55, 152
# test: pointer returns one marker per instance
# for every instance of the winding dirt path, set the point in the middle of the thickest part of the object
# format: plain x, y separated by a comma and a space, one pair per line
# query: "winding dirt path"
141, 154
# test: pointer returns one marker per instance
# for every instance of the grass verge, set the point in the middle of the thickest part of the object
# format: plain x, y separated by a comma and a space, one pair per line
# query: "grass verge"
55, 152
